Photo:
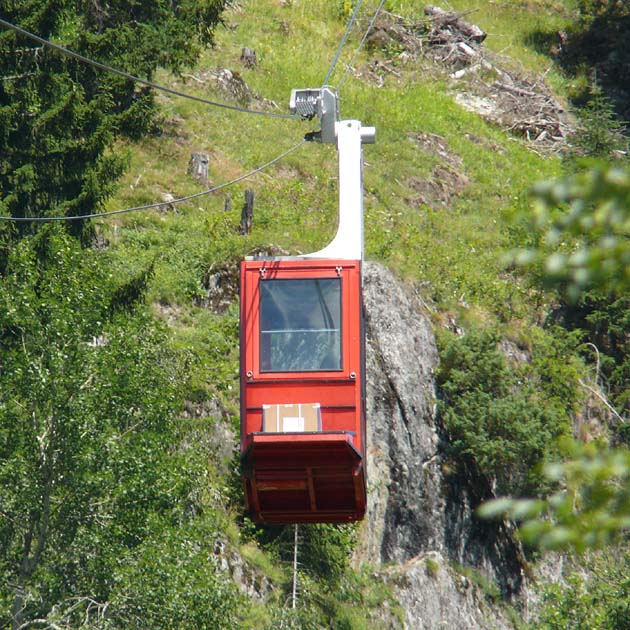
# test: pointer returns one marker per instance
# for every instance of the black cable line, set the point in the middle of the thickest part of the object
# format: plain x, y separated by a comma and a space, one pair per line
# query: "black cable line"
158, 204
131, 77
356, 52
161, 204
342, 43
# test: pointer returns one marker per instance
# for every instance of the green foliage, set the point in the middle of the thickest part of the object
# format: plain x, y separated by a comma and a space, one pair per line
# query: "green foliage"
93, 485
600, 602
150, 533
601, 132
59, 117
346, 7
590, 10
324, 549
585, 223
605, 321
596, 53
433, 567
174, 576
330, 593
490, 588
591, 509
358, 601
505, 417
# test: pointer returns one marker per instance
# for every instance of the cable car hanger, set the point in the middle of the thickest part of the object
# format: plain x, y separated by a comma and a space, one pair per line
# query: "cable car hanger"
349, 135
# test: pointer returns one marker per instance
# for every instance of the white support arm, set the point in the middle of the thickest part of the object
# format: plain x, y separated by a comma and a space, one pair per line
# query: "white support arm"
348, 242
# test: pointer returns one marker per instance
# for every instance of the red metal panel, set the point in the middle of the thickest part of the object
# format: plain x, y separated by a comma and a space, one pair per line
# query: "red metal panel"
313, 477
304, 478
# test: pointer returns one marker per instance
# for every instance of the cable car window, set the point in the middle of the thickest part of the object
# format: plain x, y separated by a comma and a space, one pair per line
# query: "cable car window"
300, 325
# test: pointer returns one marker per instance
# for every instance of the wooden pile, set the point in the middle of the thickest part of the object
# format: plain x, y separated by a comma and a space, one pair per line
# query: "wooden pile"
451, 39
513, 99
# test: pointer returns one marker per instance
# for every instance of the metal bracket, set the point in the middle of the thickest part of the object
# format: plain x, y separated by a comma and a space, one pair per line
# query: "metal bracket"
349, 136
304, 103
321, 102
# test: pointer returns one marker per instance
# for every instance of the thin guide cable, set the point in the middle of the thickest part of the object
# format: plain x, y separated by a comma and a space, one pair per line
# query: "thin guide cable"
183, 95
159, 204
131, 77
356, 52
342, 43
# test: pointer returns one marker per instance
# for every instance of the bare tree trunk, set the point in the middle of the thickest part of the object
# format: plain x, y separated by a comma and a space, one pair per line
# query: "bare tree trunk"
37, 537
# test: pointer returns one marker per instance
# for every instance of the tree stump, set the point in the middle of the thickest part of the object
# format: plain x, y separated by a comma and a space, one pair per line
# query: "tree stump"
248, 57
247, 214
198, 167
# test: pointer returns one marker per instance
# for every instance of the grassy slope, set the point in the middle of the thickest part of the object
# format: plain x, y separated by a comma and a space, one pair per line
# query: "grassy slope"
454, 252
456, 249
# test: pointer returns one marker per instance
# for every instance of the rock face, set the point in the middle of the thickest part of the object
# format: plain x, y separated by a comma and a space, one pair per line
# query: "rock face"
433, 596
405, 507
416, 508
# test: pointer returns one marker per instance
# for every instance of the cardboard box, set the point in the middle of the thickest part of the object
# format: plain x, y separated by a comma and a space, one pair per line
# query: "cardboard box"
293, 418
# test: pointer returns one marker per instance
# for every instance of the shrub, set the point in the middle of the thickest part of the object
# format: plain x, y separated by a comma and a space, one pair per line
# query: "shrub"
503, 417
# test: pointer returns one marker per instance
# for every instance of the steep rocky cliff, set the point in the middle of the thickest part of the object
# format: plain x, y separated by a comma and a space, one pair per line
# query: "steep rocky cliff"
446, 568
421, 532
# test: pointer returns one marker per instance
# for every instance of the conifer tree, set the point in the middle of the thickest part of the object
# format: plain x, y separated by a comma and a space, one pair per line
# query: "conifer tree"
59, 116
95, 497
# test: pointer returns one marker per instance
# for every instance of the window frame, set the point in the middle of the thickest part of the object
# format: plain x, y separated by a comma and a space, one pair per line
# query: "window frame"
310, 277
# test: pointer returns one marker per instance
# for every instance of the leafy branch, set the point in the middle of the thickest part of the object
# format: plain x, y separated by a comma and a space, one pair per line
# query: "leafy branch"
584, 222
591, 510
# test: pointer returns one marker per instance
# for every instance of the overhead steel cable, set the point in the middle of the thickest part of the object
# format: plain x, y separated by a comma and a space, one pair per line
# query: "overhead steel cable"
159, 204
131, 77
365, 35
342, 43
162, 204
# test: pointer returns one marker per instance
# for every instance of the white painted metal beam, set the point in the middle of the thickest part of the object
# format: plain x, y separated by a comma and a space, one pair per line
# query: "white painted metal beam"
348, 242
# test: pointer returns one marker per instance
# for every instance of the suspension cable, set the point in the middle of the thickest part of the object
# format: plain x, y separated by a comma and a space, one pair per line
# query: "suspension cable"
365, 35
295, 565
97, 64
342, 43
159, 204
136, 79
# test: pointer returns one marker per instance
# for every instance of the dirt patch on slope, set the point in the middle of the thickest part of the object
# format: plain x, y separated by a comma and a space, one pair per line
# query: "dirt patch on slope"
447, 180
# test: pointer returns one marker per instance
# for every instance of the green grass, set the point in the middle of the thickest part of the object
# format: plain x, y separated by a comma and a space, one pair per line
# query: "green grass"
457, 248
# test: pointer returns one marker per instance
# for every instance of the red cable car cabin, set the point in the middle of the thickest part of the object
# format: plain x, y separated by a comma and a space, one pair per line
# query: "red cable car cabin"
302, 375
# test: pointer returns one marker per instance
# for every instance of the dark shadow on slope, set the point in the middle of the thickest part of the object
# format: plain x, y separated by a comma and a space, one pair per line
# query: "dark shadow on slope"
489, 545
596, 50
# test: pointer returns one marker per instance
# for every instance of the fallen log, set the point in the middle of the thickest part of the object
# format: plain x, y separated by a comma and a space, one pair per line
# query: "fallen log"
444, 20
